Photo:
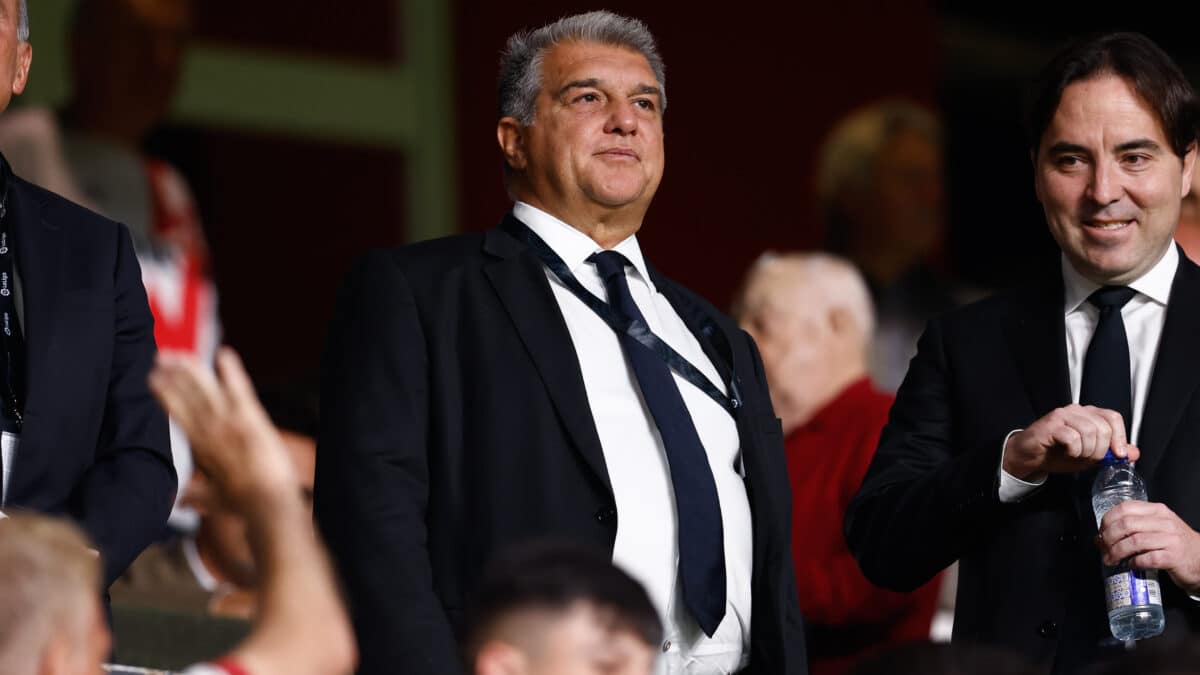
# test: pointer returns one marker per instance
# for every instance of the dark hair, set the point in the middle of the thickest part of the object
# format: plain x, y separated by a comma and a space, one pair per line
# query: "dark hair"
554, 575
1136, 59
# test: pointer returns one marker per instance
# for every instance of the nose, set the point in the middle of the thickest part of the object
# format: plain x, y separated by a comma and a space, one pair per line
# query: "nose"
622, 118
1106, 186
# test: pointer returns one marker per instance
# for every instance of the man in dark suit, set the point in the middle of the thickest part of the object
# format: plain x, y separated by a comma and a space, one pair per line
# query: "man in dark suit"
543, 380
991, 448
82, 435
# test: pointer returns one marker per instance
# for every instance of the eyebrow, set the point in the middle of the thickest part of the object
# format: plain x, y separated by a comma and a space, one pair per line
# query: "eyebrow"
1062, 147
1139, 144
593, 82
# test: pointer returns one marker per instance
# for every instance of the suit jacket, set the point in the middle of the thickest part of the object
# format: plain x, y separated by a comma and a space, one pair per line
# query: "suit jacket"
456, 423
1030, 575
94, 444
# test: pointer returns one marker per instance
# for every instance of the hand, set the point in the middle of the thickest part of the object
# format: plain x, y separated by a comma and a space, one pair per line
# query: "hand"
233, 441
1067, 440
1152, 537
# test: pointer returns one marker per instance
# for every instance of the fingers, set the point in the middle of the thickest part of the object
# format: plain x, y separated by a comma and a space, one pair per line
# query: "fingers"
188, 391
1119, 441
234, 379
1134, 529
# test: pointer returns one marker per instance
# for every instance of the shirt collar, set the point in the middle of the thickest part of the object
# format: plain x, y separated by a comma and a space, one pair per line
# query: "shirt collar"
574, 246
1154, 284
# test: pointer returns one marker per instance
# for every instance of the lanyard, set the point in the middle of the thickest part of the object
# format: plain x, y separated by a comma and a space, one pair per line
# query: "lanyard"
621, 324
12, 361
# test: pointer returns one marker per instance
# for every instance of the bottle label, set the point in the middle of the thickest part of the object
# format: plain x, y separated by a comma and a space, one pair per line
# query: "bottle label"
1132, 588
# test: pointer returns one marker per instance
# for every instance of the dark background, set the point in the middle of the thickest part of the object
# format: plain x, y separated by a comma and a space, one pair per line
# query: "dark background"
753, 90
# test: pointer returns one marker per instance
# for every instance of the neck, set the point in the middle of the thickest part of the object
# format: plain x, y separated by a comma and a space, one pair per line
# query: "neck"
806, 406
605, 226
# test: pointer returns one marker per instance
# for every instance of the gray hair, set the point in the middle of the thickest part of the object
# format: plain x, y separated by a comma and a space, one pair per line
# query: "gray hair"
23, 22
520, 79
849, 153
834, 282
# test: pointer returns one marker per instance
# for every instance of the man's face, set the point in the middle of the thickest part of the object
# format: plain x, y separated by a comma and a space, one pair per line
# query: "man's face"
596, 143
14, 54
1108, 180
907, 195
582, 643
791, 329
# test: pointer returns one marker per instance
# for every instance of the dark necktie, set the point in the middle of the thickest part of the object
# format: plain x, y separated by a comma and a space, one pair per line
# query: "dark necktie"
701, 539
1105, 382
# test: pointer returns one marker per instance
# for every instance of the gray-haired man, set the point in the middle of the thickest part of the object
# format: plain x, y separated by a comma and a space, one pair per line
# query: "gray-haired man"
542, 380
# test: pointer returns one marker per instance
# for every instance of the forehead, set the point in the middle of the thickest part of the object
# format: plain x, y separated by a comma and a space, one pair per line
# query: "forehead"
1105, 108
594, 60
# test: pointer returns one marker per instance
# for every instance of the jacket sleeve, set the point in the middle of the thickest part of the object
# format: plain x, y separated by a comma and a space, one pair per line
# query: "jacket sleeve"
924, 500
124, 498
372, 478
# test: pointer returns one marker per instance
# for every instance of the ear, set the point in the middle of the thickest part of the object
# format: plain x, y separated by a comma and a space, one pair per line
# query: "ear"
510, 134
24, 57
500, 658
1189, 166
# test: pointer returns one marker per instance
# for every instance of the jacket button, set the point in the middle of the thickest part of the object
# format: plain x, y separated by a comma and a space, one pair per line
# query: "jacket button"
605, 514
1048, 629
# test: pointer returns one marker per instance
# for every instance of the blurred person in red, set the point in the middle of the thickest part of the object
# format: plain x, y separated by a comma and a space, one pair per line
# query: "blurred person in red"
811, 317
552, 608
881, 195
51, 622
126, 58
212, 570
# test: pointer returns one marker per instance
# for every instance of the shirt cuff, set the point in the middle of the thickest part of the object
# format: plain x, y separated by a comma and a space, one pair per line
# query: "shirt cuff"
1013, 489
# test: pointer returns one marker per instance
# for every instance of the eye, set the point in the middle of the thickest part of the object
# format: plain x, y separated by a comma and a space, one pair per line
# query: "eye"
645, 104
1135, 161
1068, 161
589, 97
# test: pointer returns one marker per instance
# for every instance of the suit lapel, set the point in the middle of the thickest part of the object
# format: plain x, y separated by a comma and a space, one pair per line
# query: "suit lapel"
1175, 378
712, 338
1038, 341
39, 251
520, 281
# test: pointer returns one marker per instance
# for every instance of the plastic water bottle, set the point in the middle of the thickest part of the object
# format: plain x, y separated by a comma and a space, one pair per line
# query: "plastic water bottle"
1133, 597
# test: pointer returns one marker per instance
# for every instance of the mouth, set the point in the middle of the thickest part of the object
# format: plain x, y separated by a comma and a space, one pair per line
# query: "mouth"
618, 153
1108, 225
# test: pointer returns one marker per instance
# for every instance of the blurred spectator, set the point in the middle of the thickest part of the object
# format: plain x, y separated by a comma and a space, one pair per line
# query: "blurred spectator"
811, 317
213, 569
125, 63
51, 618
558, 609
50, 621
944, 659
879, 186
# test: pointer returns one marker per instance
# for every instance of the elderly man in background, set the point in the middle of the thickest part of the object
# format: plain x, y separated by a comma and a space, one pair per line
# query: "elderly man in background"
880, 190
811, 317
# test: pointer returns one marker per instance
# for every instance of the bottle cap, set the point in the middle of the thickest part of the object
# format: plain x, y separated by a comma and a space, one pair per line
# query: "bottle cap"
1112, 460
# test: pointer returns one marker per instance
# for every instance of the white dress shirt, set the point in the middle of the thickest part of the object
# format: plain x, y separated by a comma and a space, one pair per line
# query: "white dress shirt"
646, 543
1143, 315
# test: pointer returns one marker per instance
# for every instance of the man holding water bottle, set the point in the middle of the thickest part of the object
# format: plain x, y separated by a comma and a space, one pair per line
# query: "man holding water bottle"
1010, 405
